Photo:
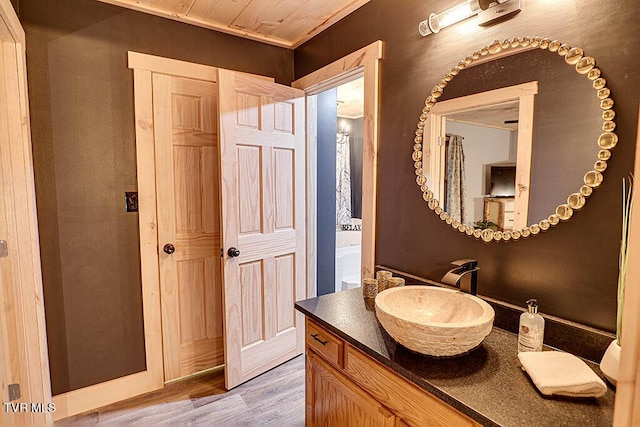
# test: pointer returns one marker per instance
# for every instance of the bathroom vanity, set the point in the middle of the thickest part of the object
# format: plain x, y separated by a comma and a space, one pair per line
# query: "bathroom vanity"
356, 371
344, 384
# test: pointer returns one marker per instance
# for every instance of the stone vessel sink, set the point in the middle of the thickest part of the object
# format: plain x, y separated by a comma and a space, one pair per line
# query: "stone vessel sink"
434, 321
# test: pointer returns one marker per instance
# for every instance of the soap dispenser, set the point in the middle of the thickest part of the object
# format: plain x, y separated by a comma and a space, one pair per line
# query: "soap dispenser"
531, 330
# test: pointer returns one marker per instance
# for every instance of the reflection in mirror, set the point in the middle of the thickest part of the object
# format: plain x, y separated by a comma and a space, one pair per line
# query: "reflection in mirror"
487, 184
480, 156
552, 147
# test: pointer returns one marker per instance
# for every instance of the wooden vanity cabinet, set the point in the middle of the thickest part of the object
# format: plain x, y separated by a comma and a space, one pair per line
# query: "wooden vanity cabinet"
500, 211
336, 401
346, 387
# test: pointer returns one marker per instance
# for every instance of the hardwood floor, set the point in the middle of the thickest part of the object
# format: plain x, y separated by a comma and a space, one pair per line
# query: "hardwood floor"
275, 397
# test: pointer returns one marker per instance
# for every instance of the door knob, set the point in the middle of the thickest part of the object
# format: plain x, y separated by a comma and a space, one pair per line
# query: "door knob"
169, 248
233, 252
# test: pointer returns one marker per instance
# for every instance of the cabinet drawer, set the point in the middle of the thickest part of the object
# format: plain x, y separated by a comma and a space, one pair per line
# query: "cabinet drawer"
325, 343
409, 402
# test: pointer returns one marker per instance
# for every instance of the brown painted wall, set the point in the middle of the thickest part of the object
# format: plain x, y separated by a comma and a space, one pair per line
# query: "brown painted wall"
81, 95
571, 269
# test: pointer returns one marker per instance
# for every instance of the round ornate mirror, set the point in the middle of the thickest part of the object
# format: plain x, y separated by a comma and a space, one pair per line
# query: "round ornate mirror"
501, 154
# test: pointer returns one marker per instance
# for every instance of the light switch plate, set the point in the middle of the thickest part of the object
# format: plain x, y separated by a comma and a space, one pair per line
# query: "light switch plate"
131, 201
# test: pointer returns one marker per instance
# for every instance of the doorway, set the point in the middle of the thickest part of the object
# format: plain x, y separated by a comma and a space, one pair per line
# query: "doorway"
362, 63
349, 158
221, 173
340, 120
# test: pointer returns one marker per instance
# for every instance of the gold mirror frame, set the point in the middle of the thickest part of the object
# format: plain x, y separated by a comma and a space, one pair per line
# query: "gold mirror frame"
584, 65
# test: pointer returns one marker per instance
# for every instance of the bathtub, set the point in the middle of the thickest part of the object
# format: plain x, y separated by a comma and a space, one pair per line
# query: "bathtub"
348, 259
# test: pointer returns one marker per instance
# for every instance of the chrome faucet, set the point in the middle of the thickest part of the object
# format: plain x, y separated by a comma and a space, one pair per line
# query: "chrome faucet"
464, 275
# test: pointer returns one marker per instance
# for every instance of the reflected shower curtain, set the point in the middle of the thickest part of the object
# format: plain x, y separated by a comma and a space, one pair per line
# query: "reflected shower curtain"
343, 180
456, 187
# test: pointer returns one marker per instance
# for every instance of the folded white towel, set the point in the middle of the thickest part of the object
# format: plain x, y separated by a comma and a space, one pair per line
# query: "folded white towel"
561, 374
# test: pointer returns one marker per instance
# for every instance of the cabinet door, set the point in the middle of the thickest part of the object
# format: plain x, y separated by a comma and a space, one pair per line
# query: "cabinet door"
333, 400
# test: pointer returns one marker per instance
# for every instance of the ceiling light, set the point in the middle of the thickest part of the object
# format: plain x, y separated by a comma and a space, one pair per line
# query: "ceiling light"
489, 11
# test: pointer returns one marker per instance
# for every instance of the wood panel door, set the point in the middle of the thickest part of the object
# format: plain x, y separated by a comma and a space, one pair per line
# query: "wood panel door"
12, 351
186, 147
263, 209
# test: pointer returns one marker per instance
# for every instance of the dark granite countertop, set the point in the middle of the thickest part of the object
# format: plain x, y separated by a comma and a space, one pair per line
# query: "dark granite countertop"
487, 384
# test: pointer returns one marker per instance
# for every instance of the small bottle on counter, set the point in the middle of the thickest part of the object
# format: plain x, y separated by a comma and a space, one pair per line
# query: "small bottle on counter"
531, 330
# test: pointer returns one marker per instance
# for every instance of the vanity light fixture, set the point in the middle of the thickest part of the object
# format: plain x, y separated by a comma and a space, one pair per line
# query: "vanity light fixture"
437, 21
497, 11
488, 11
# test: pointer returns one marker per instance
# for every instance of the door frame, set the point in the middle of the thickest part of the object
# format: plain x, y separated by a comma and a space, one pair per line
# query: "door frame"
627, 403
144, 66
23, 325
363, 62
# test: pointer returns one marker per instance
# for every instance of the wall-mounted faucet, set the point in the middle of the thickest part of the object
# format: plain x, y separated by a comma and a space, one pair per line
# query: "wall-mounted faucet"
464, 275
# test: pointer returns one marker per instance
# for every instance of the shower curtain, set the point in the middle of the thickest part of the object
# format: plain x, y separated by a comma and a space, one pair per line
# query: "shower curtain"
456, 201
343, 180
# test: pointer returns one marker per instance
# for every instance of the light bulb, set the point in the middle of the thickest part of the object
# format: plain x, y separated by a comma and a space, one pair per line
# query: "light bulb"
457, 13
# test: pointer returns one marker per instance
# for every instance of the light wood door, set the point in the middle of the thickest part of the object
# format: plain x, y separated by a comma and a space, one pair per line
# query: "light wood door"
333, 400
263, 208
186, 146
12, 352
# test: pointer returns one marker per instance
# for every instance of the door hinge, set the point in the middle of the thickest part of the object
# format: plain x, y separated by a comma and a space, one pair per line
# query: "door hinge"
14, 392
4, 251
441, 141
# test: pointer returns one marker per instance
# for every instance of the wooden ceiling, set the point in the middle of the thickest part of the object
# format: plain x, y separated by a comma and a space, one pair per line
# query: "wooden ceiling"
286, 23
351, 99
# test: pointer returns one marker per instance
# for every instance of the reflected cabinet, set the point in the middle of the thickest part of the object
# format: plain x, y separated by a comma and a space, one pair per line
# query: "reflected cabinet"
499, 213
